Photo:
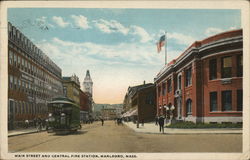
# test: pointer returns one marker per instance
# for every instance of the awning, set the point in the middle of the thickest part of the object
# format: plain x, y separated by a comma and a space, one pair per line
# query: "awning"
133, 113
130, 113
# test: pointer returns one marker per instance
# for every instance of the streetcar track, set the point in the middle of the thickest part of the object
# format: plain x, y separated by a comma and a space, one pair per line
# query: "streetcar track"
32, 146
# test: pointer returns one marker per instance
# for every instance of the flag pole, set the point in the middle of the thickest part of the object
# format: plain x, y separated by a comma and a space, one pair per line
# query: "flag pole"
165, 47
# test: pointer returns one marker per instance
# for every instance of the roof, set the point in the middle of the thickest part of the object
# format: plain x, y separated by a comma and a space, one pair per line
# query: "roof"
134, 89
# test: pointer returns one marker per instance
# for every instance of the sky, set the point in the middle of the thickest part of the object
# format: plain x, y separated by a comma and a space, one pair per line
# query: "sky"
117, 46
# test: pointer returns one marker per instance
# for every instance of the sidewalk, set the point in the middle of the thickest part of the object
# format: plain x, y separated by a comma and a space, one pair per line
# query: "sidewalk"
23, 131
152, 128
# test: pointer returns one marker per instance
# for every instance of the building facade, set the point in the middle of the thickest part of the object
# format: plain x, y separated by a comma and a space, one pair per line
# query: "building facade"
108, 113
135, 99
85, 106
144, 102
204, 84
127, 102
34, 79
71, 88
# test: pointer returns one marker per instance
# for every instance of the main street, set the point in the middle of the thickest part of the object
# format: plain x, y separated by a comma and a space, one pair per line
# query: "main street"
113, 138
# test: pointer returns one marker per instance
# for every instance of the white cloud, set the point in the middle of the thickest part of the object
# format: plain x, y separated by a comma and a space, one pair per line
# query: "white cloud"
212, 31
41, 19
60, 22
42, 22
181, 38
80, 21
111, 26
141, 32
124, 64
114, 26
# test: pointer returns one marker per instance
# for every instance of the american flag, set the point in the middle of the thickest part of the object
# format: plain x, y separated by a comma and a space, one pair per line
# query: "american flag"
161, 43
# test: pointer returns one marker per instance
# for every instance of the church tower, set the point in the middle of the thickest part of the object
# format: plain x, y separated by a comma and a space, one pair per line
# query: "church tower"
87, 83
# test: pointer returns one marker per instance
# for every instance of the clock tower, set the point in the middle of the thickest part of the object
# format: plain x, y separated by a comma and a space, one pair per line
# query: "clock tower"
88, 84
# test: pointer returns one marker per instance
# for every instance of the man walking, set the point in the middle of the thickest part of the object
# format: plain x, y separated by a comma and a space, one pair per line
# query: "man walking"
102, 121
161, 123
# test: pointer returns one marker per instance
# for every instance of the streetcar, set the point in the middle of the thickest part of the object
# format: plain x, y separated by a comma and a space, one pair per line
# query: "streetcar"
64, 116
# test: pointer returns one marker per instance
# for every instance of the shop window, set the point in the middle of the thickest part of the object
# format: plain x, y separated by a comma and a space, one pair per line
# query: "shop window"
212, 69
189, 106
226, 69
213, 101
239, 66
188, 75
239, 100
226, 100
169, 85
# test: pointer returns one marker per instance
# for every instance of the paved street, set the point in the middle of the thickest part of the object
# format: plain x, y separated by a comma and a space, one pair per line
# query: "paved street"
113, 138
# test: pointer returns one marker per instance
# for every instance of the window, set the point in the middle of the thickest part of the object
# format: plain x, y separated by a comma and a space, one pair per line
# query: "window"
25, 64
226, 100
169, 85
239, 100
239, 66
18, 61
19, 84
213, 101
212, 69
163, 88
179, 82
11, 81
189, 106
226, 69
159, 90
15, 82
15, 59
22, 60
65, 91
16, 106
150, 98
10, 57
188, 77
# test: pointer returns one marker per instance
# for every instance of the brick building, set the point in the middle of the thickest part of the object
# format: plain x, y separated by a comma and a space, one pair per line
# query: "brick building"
205, 82
139, 102
127, 102
34, 79
144, 102
85, 106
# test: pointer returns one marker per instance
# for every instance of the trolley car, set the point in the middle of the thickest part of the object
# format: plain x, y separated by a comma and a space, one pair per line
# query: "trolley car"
64, 116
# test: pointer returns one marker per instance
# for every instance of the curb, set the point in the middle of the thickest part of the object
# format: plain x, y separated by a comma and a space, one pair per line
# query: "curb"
19, 134
183, 133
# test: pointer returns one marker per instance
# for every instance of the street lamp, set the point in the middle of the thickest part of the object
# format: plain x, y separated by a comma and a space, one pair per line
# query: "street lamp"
171, 112
166, 110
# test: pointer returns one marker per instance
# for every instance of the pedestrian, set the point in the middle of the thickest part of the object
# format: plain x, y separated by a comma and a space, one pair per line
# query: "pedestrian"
39, 125
26, 123
156, 120
102, 121
161, 123
142, 122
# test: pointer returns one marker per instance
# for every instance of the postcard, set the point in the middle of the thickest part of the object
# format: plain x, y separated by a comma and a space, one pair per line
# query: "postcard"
124, 80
